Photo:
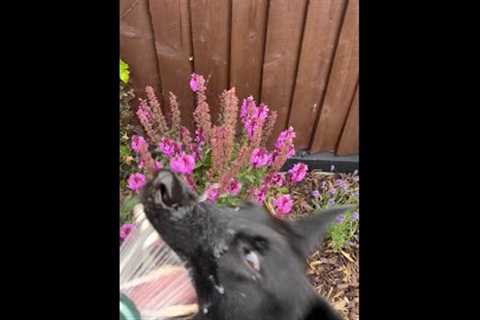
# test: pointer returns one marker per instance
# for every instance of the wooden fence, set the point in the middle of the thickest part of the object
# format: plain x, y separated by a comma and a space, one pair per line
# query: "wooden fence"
300, 57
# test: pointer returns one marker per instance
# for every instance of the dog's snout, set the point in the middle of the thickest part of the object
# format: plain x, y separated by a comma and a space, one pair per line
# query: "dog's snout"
164, 185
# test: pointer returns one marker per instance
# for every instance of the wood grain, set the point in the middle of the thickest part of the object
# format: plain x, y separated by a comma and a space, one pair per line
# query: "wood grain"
211, 43
341, 86
320, 36
137, 45
171, 25
348, 143
283, 39
248, 40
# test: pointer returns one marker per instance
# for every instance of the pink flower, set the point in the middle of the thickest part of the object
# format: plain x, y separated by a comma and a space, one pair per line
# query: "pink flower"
169, 147
234, 187
298, 172
182, 163
262, 112
194, 85
136, 181
291, 151
141, 164
277, 179
260, 193
137, 143
285, 136
157, 165
213, 192
260, 158
125, 230
283, 204
252, 116
144, 112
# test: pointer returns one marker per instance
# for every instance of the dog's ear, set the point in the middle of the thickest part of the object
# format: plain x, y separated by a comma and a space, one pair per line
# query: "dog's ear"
310, 231
321, 310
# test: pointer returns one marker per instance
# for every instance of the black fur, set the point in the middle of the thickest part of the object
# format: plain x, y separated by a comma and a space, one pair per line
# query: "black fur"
219, 244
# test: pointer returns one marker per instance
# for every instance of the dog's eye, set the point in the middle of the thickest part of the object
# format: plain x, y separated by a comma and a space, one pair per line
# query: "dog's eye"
251, 258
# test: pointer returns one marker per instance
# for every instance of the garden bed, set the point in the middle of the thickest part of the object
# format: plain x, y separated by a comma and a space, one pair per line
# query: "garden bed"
333, 272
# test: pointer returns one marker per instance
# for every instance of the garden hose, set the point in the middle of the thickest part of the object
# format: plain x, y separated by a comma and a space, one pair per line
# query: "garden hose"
128, 310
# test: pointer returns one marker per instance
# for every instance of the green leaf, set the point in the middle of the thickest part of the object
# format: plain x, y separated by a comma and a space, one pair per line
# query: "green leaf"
126, 208
283, 190
124, 72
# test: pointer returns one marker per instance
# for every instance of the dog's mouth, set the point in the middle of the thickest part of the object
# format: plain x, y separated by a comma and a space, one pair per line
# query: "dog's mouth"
167, 199
169, 192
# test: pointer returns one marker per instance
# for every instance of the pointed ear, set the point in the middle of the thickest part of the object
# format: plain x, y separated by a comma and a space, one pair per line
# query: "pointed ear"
320, 309
311, 230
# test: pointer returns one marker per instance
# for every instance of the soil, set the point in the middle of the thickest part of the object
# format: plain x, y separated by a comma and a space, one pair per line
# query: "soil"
335, 275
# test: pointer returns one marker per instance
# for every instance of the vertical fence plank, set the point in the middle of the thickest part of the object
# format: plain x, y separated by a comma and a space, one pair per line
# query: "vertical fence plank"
137, 45
247, 41
284, 33
281, 52
170, 20
348, 144
318, 46
211, 45
341, 86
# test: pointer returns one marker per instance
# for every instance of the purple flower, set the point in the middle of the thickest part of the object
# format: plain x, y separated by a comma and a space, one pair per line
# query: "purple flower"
169, 147
182, 163
355, 216
136, 181
137, 143
125, 230
213, 192
342, 184
260, 158
234, 187
285, 136
248, 105
283, 204
340, 218
194, 85
277, 179
316, 194
330, 202
298, 172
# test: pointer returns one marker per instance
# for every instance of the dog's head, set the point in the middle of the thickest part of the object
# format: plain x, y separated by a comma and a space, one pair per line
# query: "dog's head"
245, 263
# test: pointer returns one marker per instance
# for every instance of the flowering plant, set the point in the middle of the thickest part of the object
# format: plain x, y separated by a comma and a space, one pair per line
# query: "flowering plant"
127, 160
334, 190
227, 160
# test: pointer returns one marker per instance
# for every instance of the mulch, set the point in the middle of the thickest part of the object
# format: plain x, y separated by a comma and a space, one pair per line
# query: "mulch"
335, 275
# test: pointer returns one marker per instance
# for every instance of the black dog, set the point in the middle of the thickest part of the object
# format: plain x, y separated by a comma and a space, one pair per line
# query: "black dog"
245, 263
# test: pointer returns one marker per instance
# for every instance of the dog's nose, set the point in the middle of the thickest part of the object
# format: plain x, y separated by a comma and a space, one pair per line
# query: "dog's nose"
165, 184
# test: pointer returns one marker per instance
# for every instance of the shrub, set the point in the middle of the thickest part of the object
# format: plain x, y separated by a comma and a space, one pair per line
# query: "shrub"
127, 157
224, 160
